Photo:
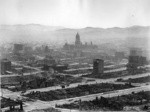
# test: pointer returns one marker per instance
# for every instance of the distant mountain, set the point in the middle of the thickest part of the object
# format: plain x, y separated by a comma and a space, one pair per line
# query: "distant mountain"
26, 33
29, 27
116, 36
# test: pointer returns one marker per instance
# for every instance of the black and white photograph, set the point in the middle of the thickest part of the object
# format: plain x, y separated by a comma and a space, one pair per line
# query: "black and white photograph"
74, 55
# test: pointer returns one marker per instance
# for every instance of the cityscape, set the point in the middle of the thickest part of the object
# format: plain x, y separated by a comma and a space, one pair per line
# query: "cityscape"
73, 68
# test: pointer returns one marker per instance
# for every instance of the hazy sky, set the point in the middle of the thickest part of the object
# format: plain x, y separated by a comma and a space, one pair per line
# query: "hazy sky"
76, 13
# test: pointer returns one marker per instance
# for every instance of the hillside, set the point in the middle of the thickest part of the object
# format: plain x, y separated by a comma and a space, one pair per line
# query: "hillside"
130, 36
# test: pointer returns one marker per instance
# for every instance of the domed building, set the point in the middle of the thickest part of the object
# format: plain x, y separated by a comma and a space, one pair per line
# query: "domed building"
78, 45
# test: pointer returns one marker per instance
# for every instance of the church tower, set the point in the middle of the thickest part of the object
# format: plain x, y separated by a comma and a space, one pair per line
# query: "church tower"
77, 41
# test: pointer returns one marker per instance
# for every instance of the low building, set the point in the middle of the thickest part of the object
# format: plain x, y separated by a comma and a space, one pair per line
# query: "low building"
119, 55
46, 61
60, 68
18, 48
53, 68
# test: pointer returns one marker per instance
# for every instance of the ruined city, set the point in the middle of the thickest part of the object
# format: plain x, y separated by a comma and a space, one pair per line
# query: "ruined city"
73, 68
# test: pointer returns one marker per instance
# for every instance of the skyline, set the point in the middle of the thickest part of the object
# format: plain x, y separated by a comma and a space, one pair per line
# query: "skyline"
76, 13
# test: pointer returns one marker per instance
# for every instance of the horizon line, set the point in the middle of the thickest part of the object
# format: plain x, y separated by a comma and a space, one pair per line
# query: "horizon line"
75, 27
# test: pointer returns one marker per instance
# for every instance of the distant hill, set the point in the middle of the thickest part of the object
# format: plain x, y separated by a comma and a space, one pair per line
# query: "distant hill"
130, 36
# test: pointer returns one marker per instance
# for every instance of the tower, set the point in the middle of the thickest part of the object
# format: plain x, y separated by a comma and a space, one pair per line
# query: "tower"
5, 66
135, 60
77, 41
98, 66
